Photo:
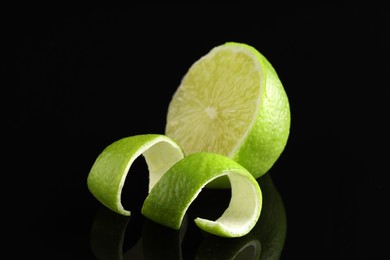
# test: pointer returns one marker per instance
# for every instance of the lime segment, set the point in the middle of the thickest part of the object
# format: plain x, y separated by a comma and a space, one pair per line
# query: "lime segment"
170, 198
108, 173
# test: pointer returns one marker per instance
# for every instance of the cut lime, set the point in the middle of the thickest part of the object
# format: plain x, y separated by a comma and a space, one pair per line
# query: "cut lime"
107, 175
170, 198
231, 102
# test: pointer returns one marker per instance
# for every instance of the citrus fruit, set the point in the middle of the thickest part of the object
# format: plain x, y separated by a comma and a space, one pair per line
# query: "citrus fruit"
170, 198
108, 173
231, 102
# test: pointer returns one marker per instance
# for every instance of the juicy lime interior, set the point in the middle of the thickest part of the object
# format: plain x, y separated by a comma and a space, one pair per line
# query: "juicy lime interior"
216, 102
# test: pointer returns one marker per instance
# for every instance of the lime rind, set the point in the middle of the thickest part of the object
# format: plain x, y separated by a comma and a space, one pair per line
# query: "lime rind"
108, 173
259, 64
170, 198
260, 149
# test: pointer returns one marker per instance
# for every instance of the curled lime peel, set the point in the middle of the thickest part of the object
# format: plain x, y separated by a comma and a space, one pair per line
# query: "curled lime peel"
170, 198
109, 171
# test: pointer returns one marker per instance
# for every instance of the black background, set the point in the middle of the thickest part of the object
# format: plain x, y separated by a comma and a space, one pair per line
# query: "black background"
75, 80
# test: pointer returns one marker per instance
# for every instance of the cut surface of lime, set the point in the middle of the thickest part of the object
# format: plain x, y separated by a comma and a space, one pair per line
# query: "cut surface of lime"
108, 173
231, 102
170, 198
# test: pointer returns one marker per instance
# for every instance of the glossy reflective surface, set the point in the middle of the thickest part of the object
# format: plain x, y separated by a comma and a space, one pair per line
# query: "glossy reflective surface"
109, 233
76, 80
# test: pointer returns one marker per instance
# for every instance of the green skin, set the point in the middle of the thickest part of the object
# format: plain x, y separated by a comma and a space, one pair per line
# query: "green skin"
264, 146
268, 137
170, 198
107, 175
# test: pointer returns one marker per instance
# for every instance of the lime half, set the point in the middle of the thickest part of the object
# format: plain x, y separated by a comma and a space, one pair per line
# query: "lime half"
107, 175
170, 198
231, 102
